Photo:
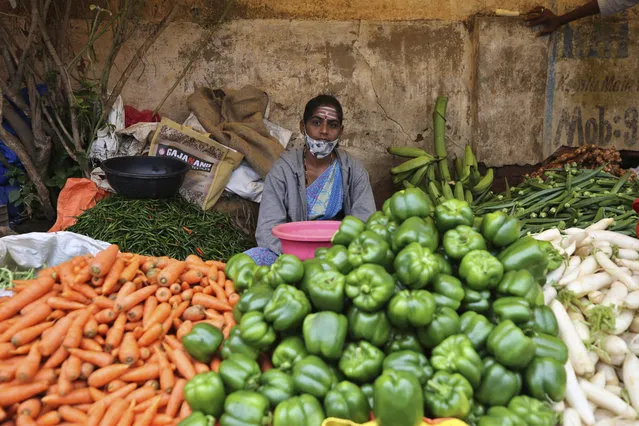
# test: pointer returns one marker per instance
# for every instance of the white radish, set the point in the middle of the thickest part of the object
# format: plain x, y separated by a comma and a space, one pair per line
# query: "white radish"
601, 225
610, 373
627, 254
555, 275
559, 407
607, 400
571, 249
623, 321
582, 330
615, 295
588, 266
594, 357
610, 267
549, 294
599, 380
596, 296
634, 326
572, 271
619, 240
630, 374
573, 231
583, 250
585, 284
576, 349
631, 301
633, 265
548, 235
632, 341
576, 396
614, 389
571, 417
616, 348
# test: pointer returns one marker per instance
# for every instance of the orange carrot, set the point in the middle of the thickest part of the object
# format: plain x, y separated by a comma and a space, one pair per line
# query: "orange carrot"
51, 418
184, 329
33, 317
233, 299
73, 367
64, 304
56, 315
37, 288
126, 289
142, 394
142, 374
75, 296
134, 298
55, 335
86, 290
185, 410
5, 350
167, 378
135, 313
104, 260
171, 273
151, 335
30, 407
90, 328
27, 335
159, 315
100, 359
226, 331
86, 369
176, 398
210, 302
128, 416
149, 413
175, 288
105, 316
102, 330
64, 384
96, 413
130, 326
123, 392
24, 420
115, 385
51, 272
112, 278
187, 294
192, 276
200, 367
145, 353
73, 415
77, 396
45, 375
106, 374
138, 332
163, 294
194, 259
215, 364
91, 345
115, 333
82, 276
113, 413
73, 335
56, 358
129, 350
182, 363
229, 319
103, 302
172, 342
128, 273
149, 307
22, 392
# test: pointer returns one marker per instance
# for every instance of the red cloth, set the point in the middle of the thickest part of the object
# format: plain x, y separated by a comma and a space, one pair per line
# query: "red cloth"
635, 207
132, 116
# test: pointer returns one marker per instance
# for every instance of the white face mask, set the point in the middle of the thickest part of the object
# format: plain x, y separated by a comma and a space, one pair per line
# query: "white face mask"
320, 149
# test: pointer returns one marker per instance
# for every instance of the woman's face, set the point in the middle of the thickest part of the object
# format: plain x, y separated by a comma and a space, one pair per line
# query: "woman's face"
324, 124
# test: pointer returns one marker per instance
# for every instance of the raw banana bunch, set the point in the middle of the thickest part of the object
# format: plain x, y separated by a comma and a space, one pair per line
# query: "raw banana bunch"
413, 171
467, 172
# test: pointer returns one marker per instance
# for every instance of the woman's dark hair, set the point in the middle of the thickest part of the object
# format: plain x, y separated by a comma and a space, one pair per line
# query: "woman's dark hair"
322, 100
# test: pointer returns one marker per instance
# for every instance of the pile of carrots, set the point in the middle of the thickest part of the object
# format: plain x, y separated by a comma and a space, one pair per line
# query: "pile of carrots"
97, 340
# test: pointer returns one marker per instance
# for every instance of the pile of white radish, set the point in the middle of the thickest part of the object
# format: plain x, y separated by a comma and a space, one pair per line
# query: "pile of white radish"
601, 270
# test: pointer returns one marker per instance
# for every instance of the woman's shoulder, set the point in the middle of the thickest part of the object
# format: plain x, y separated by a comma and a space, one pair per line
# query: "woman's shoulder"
349, 161
289, 161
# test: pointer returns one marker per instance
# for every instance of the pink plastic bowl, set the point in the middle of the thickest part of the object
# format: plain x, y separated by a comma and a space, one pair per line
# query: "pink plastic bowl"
301, 239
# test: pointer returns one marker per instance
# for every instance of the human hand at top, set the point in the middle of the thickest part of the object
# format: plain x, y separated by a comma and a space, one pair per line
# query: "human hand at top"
543, 17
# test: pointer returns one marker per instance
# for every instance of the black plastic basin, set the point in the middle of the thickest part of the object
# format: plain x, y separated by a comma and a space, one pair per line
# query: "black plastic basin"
145, 177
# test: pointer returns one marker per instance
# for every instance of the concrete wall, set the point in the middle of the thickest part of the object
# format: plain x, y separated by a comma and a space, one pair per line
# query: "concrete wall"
514, 96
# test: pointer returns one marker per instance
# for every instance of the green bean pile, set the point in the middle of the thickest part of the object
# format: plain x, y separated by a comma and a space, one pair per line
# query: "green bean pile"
568, 197
169, 227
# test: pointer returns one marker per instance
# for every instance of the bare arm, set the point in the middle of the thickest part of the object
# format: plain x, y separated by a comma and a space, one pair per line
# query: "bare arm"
550, 22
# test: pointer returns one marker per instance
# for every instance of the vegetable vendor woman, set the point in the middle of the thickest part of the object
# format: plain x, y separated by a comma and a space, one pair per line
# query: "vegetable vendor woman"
317, 182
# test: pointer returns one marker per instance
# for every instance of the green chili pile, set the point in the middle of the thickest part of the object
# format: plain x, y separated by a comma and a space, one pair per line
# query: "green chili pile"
568, 197
170, 227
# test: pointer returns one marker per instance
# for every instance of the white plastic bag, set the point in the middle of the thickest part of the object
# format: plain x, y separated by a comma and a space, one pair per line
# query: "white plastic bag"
106, 144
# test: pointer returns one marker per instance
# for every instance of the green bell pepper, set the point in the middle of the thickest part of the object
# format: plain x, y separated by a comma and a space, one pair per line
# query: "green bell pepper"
326, 291
445, 324
367, 389
416, 266
256, 332
240, 268
303, 410
459, 241
205, 393
287, 269
411, 308
402, 340
448, 395
240, 372
477, 328
313, 376
476, 301
349, 229
415, 230
325, 334
347, 401
510, 346
500, 229
550, 347
525, 253
289, 352
414, 363
533, 411
452, 213
501, 416
234, 344
255, 298
336, 256
368, 247
448, 291
444, 265
546, 378
198, 419
476, 411
361, 361
246, 408
276, 386
552, 255
457, 355
397, 399
373, 327
480, 270
544, 321
369, 287
382, 225
287, 308
520, 284
516, 309
203, 341
498, 384
407, 203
